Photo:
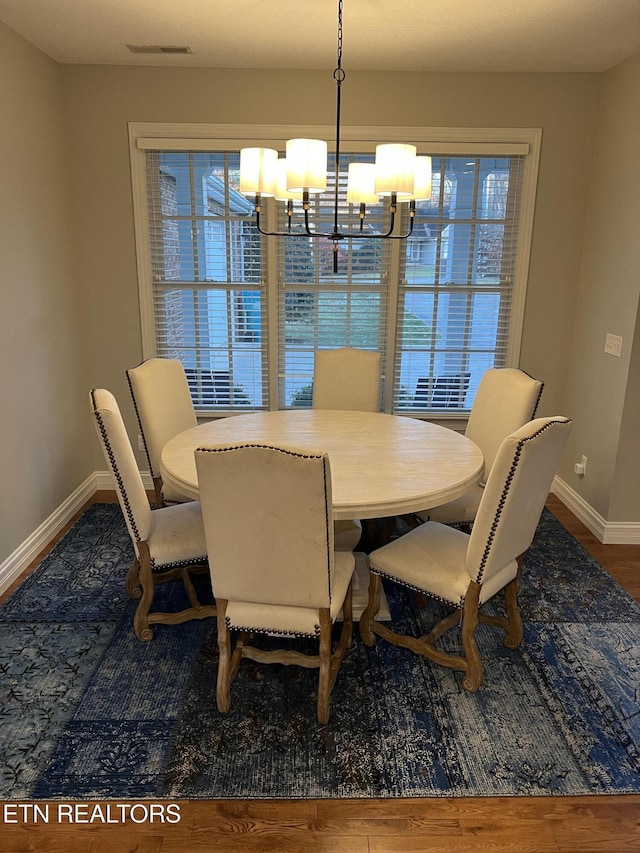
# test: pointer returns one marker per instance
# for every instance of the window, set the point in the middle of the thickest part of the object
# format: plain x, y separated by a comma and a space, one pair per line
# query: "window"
459, 270
319, 309
245, 313
208, 303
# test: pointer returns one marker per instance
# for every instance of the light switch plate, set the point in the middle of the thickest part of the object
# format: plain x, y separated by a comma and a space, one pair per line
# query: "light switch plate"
613, 345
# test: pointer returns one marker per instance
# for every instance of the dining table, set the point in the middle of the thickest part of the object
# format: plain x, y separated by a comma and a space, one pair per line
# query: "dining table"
381, 465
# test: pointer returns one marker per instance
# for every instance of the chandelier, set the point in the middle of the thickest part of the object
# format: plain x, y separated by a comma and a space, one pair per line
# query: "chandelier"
398, 174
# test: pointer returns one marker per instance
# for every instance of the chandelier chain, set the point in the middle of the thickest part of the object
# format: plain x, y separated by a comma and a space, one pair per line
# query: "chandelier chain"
339, 74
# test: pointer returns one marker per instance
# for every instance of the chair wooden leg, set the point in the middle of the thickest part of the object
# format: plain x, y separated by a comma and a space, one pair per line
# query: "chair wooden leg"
223, 692
157, 487
373, 605
473, 675
238, 654
442, 627
324, 677
347, 616
412, 520
346, 634
141, 618
190, 589
514, 620
132, 583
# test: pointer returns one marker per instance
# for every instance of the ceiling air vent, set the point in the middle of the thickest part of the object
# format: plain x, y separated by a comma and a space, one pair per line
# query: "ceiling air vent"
159, 48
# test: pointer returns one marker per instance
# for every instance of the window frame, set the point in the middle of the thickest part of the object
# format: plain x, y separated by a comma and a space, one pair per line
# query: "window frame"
488, 142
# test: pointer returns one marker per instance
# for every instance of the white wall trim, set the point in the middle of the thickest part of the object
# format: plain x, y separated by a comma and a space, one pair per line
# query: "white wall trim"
622, 533
17, 562
607, 532
104, 480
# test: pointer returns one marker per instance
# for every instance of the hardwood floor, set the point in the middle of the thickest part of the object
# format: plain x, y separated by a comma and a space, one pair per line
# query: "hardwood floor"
471, 825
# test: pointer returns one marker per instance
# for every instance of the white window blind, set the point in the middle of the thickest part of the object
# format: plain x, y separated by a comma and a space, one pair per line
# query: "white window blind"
208, 300
457, 279
320, 309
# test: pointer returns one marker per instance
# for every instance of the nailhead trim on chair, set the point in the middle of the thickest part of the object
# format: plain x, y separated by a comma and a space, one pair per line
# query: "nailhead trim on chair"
114, 468
410, 586
260, 447
264, 631
326, 527
162, 567
535, 408
503, 496
301, 456
144, 440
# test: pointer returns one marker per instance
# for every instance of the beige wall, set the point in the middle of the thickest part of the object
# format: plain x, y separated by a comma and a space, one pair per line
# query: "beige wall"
603, 391
43, 441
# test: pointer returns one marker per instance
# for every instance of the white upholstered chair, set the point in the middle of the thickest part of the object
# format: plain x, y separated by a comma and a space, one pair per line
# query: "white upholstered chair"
285, 577
168, 543
163, 406
506, 399
348, 379
465, 571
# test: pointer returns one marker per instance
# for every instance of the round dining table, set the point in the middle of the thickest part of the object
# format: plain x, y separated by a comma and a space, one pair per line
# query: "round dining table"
381, 465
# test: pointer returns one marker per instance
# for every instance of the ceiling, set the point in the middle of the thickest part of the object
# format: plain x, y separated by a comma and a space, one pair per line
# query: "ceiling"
425, 35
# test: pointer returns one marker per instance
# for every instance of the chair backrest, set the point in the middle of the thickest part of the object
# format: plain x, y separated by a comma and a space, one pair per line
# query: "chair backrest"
162, 401
506, 399
347, 379
268, 522
119, 456
514, 497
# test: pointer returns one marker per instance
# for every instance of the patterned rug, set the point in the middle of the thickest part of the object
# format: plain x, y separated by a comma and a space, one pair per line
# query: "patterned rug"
88, 712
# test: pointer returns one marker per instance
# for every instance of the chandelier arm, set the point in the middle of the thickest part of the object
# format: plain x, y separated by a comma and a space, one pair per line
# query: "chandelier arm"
333, 235
403, 236
386, 236
265, 233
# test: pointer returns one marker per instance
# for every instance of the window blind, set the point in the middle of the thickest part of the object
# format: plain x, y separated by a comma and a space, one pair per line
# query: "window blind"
208, 299
320, 309
456, 283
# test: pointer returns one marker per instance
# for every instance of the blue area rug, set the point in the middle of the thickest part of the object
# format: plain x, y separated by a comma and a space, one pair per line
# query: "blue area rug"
88, 712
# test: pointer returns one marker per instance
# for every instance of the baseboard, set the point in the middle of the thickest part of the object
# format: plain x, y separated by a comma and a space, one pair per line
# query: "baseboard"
17, 562
607, 532
104, 480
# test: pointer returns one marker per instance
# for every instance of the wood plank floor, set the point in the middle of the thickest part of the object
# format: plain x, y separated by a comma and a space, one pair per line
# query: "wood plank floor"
608, 824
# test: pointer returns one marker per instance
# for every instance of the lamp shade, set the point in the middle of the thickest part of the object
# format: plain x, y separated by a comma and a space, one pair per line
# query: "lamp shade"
258, 171
361, 182
282, 193
395, 169
422, 180
306, 165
